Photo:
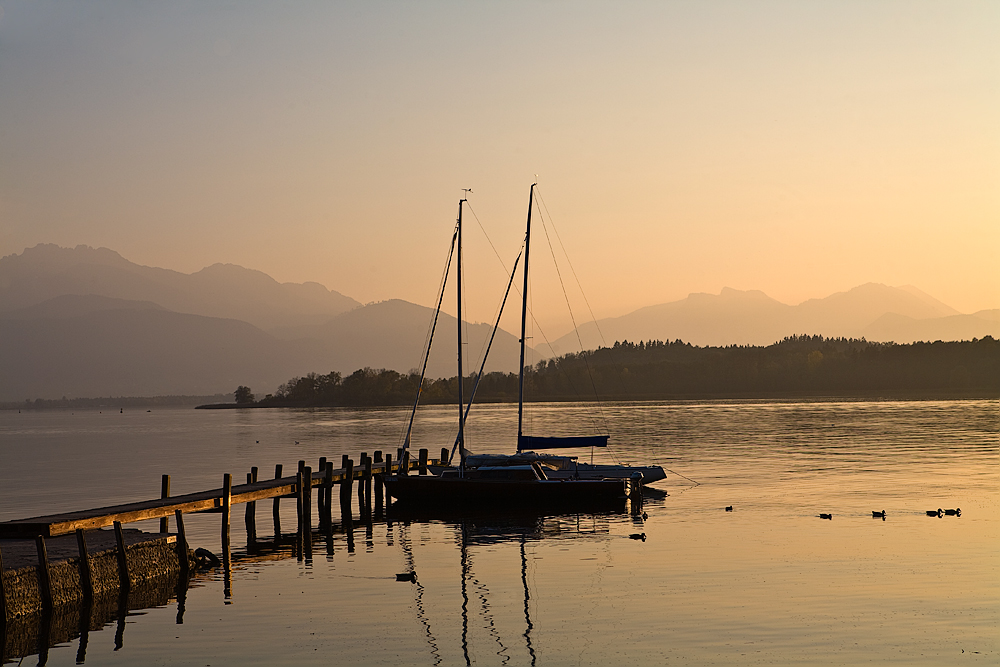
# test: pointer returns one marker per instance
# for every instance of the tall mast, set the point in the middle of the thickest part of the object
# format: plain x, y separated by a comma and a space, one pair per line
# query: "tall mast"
524, 317
458, 290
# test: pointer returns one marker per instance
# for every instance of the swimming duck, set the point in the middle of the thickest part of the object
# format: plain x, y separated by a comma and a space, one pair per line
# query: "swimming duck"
729, 508
955, 512
638, 536
407, 576
937, 512
825, 516
878, 515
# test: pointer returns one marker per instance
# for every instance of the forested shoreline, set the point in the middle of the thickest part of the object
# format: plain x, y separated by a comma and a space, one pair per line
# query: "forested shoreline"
806, 366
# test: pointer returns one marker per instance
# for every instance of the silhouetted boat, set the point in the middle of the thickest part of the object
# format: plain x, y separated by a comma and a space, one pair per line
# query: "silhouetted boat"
520, 483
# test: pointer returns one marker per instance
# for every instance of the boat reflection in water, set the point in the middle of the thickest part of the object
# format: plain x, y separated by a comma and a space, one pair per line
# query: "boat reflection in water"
485, 532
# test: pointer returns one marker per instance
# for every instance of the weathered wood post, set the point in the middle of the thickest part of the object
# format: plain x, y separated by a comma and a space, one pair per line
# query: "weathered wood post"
249, 518
298, 513
343, 461
445, 455
345, 491
307, 510
165, 493
276, 508
328, 492
86, 571
361, 482
123, 579
404, 463
181, 546
44, 576
422, 461
367, 478
321, 491
378, 485
227, 501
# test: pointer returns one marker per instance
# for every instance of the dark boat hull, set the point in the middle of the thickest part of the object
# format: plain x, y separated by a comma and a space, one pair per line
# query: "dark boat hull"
454, 491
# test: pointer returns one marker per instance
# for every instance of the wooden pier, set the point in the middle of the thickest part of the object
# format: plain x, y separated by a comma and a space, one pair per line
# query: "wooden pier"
214, 500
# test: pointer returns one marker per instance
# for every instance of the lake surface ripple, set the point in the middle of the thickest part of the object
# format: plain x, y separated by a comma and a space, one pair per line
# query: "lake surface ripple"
768, 583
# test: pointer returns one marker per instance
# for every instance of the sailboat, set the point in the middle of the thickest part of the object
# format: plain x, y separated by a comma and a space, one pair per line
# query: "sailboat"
526, 477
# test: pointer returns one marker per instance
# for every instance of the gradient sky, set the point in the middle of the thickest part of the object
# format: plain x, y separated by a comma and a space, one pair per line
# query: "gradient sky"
800, 148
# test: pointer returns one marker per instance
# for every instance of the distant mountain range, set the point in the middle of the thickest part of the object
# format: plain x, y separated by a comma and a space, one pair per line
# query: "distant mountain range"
873, 311
80, 322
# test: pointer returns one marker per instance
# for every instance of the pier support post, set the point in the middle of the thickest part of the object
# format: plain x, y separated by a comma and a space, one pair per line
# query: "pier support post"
422, 461
165, 493
250, 518
321, 491
345, 489
307, 511
182, 547
44, 577
445, 454
298, 513
86, 571
227, 505
368, 489
404, 462
276, 508
123, 578
361, 482
328, 493
378, 485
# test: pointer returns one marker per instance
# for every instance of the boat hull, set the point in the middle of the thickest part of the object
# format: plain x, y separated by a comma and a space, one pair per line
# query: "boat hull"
429, 489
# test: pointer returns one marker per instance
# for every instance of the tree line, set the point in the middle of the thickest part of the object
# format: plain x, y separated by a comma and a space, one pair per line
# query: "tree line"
797, 365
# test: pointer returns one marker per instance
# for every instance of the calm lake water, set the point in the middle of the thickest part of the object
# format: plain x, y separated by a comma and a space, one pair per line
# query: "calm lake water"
768, 583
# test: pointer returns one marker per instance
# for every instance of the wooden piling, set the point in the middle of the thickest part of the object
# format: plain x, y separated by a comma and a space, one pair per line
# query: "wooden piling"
249, 518
276, 508
307, 510
299, 503
44, 576
368, 483
345, 488
86, 570
227, 505
182, 547
378, 486
445, 455
328, 492
361, 485
165, 493
423, 461
123, 578
343, 461
321, 491
403, 468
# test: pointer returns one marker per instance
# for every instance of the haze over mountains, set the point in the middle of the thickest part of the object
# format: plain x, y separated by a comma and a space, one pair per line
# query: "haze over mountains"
87, 322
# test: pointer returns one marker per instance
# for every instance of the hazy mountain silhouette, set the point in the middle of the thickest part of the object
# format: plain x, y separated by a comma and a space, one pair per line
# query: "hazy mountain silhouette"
137, 352
391, 334
753, 318
88, 345
221, 290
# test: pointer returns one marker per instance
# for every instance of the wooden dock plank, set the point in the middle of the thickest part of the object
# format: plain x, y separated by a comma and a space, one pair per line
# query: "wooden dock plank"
201, 501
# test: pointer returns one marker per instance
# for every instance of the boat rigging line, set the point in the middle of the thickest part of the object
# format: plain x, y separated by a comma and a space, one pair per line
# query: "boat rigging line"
430, 338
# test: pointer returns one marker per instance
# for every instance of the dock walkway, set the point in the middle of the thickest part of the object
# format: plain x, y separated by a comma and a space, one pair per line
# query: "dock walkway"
203, 501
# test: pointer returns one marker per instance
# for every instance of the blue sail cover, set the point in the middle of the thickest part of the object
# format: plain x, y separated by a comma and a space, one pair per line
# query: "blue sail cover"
534, 442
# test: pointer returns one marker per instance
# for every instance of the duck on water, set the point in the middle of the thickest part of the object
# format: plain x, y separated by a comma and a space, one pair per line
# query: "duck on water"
525, 477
